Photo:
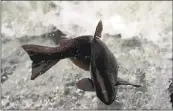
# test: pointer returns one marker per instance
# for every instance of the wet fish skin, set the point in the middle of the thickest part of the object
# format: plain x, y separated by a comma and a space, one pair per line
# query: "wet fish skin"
44, 57
81, 62
104, 70
82, 51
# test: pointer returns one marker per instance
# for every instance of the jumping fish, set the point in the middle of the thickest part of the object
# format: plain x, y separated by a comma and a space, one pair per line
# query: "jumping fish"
87, 52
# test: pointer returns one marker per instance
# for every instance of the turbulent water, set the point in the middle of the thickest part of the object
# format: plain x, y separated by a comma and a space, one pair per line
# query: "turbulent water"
143, 52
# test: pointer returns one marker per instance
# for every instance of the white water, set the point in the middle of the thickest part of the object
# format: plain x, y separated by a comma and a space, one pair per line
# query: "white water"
151, 20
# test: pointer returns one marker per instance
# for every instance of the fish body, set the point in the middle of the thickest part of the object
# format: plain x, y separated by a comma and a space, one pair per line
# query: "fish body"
87, 52
104, 71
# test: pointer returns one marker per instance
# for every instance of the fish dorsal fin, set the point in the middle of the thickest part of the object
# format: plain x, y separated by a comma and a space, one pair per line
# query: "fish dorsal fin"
99, 29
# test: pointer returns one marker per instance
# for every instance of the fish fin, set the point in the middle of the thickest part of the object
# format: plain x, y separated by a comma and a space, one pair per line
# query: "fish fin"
41, 59
99, 29
39, 68
38, 53
123, 82
85, 84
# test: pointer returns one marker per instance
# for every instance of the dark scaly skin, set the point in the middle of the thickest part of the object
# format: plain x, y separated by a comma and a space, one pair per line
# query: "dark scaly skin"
81, 51
78, 50
43, 57
76, 47
104, 70
81, 62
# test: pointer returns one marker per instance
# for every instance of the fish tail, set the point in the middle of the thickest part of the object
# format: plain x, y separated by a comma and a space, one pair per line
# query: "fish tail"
42, 58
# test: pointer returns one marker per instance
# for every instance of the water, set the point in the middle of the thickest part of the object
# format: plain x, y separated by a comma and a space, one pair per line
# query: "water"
143, 52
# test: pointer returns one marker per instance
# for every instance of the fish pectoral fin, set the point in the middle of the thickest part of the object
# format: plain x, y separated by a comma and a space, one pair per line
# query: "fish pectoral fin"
85, 84
123, 82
